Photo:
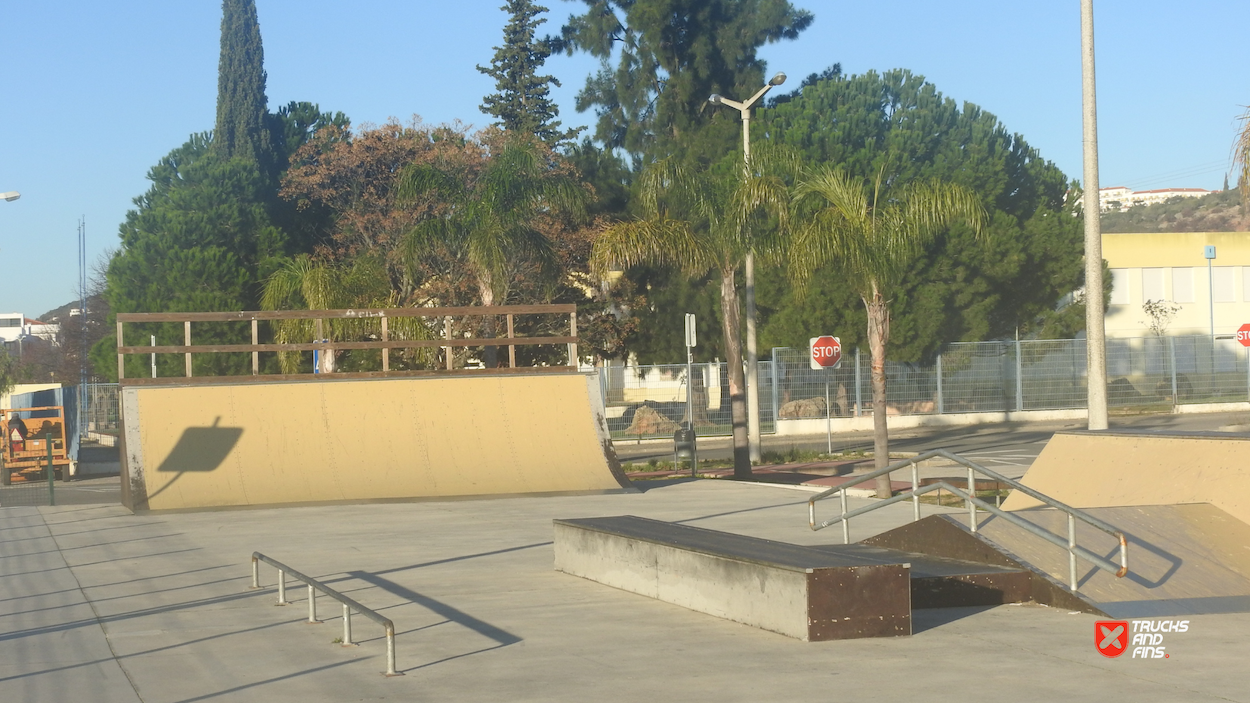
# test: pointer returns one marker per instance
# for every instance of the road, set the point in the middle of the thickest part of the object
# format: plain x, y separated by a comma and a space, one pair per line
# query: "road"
1007, 447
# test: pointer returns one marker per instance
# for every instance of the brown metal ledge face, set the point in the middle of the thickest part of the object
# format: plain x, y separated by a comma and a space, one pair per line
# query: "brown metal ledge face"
859, 601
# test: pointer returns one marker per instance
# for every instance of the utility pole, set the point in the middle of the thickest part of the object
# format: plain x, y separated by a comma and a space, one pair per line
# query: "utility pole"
753, 368
1095, 315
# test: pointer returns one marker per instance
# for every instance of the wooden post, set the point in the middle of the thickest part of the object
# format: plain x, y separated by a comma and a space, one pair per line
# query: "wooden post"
573, 334
447, 336
511, 346
186, 335
121, 360
255, 354
386, 351
318, 332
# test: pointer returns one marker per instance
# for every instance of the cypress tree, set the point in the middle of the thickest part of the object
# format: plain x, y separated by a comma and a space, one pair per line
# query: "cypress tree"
242, 129
522, 105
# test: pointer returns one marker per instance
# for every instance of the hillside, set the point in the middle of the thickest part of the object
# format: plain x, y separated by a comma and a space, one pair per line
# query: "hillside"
1217, 212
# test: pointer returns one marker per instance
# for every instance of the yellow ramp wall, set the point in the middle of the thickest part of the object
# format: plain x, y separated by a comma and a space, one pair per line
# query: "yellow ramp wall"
1096, 470
384, 439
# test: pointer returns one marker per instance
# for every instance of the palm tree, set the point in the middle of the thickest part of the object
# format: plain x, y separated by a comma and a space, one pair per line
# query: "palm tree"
873, 237
309, 284
490, 220
700, 222
1241, 157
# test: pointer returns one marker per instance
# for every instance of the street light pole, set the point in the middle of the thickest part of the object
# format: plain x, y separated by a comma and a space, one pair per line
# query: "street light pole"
1095, 328
753, 369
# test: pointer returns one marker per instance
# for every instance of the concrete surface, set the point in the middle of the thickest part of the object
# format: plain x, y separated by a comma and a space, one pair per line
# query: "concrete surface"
354, 440
482, 615
1093, 470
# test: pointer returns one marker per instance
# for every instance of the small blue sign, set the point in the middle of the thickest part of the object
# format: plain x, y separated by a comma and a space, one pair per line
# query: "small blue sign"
1209, 251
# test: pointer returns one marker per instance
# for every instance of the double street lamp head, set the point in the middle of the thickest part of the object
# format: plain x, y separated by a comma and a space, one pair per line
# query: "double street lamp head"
11, 195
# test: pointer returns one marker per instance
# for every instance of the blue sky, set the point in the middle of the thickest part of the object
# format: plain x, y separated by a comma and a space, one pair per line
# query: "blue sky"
93, 94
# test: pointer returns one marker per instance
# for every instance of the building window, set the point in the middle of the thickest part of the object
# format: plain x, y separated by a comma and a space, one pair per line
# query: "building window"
11, 322
1119, 287
1182, 285
1222, 284
1152, 285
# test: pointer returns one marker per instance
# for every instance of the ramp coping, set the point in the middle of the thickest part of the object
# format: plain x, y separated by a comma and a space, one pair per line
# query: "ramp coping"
973, 502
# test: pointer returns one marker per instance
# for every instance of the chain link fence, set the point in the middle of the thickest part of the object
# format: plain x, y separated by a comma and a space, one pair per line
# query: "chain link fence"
967, 377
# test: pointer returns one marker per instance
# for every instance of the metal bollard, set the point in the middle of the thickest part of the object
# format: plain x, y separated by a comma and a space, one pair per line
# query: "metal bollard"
347, 626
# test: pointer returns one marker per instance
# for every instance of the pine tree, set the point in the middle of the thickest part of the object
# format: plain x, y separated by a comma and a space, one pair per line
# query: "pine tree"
522, 105
242, 129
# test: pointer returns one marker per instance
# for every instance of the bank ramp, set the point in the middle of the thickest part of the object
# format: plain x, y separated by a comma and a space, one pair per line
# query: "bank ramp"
248, 444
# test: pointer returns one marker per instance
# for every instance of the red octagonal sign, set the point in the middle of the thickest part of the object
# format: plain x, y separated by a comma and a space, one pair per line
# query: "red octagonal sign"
826, 352
1243, 335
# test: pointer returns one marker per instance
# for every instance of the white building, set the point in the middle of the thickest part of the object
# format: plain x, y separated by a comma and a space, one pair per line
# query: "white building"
1170, 266
15, 326
1120, 198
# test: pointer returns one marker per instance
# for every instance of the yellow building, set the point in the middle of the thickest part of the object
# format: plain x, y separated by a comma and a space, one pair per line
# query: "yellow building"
1171, 266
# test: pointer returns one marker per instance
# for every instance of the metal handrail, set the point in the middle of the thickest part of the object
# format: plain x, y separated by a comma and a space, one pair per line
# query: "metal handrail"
348, 604
972, 502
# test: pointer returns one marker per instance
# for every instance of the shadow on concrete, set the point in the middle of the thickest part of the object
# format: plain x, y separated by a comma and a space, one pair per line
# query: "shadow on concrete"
199, 450
438, 607
926, 619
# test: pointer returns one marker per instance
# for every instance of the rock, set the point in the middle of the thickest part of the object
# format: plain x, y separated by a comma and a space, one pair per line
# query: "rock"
807, 407
650, 421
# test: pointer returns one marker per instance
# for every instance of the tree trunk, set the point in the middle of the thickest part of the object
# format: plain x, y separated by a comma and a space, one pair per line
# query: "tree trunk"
878, 336
490, 355
732, 323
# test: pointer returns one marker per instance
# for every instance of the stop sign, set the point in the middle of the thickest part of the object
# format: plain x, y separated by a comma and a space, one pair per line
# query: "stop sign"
826, 352
1243, 335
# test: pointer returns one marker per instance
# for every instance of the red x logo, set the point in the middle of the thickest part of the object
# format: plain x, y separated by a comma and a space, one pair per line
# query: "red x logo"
1111, 637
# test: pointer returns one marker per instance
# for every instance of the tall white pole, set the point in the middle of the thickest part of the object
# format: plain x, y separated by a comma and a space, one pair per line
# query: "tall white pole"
753, 362
1095, 329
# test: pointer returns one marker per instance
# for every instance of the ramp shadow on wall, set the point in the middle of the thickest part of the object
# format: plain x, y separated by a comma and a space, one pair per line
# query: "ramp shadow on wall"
199, 450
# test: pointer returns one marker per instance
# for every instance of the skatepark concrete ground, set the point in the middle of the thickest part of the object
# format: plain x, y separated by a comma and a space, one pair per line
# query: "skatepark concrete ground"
97, 604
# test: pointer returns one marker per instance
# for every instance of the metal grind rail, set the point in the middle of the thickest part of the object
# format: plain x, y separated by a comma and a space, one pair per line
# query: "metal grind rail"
349, 604
1074, 514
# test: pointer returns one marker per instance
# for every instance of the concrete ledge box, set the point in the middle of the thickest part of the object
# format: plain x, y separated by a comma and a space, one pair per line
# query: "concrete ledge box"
796, 591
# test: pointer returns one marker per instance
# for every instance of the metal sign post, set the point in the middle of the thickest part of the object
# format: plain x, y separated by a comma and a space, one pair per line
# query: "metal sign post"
825, 352
690, 343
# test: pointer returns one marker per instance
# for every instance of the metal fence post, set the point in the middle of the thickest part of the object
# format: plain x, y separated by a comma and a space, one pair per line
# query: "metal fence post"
859, 396
1019, 377
776, 396
940, 404
1172, 362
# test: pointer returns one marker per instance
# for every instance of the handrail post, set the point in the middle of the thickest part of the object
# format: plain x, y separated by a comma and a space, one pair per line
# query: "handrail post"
312, 606
1072, 550
186, 337
282, 588
573, 345
511, 346
255, 572
347, 626
972, 507
390, 651
915, 497
846, 526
